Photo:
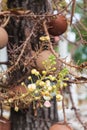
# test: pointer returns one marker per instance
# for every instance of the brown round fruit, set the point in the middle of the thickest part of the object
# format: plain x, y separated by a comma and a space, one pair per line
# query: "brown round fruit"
3, 38
60, 126
43, 56
18, 90
57, 26
5, 124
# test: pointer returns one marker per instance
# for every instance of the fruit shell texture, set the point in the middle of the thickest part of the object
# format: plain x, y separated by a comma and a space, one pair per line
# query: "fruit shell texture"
5, 124
3, 38
19, 89
57, 26
60, 126
44, 55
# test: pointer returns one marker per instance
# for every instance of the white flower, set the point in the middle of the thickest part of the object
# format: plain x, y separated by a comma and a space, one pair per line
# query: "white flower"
48, 84
47, 98
31, 87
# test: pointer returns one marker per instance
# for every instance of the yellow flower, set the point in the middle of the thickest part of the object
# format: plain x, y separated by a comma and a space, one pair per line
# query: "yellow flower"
29, 77
48, 84
54, 86
45, 38
44, 72
65, 84
46, 93
53, 68
23, 95
52, 78
59, 97
23, 84
37, 98
37, 73
34, 71
67, 78
43, 93
10, 100
41, 83
16, 108
50, 88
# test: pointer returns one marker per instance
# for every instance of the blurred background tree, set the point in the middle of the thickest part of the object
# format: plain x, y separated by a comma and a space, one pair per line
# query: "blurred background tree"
80, 29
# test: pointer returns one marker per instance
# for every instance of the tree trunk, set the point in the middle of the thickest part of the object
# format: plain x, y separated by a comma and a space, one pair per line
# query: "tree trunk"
25, 119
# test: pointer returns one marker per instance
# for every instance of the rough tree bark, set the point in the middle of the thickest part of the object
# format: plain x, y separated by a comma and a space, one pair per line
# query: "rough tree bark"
25, 119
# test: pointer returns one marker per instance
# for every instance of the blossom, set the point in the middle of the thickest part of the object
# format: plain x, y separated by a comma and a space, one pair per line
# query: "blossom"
51, 77
16, 108
47, 98
59, 97
44, 72
41, 83
45, 38
31, 87
35, 72
47, 104
48, 84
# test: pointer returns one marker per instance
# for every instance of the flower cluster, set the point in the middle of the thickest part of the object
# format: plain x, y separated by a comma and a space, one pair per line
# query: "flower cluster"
40, 87
46, 86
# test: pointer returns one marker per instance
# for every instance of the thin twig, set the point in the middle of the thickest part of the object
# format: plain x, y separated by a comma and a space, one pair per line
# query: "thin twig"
75, 110
73, 10
63, 107
22, 51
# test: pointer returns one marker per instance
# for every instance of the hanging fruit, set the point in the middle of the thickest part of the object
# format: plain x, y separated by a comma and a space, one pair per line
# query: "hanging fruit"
44, 56
5, 124
60, 126
57, 25
20, 89
3, 38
